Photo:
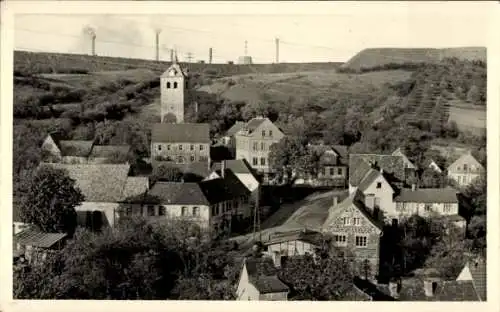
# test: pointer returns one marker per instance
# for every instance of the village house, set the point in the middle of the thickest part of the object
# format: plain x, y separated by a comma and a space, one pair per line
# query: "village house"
332, 166
281, 246
431, 202
254, 140
180, 143
465, 170
82, 152
105, 188
35, 245
259, 281
241, 169
211, 204
356, 233
392, 166
229, 139
410, 168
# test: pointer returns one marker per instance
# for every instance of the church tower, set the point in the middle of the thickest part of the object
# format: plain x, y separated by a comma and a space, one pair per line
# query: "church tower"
173, 90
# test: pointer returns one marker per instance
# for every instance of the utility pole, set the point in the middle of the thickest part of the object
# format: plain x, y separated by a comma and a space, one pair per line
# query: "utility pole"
210, 53
277, 40
157, 43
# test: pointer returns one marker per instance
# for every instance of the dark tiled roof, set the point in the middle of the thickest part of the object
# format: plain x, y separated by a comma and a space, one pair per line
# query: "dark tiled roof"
33, 237
135, 188
369, 178
254, 123
177, 193
413, 290
106, 151
75, 148
236, 187
216, 190
478, 272
393, 165
235, 165
311, 237
97, 182
235, 128
428, 195
180, 133
263, 275
358, 168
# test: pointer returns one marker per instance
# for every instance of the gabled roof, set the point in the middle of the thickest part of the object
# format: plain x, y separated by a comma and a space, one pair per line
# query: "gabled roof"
135, 188
216, 190
428, 195
75, 148
353, 200
465, 158
235, 128
36, 238
235, 186
399, 152
180, 133
477, 269
393, 165
254, 123
177, 68
106, 151
97, 182
263, 275
369, 178
177, 193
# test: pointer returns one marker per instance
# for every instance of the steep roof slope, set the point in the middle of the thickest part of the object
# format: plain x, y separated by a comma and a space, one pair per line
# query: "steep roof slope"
180, 133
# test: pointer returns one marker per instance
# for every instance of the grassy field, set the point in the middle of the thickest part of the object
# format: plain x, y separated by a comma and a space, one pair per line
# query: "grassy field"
370, 58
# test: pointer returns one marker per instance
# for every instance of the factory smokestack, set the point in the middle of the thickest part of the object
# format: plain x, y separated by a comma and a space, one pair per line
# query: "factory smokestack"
172, 55
91, 32
210, 53
277, 40
157, 44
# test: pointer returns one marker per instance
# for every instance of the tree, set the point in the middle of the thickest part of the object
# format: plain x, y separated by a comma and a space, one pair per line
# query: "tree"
51, 200
167, 173
432, 179
286, 157
321, 279
476, 192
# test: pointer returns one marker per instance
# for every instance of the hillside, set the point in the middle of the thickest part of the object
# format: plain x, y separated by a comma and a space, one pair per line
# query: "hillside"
379, 57
31, 62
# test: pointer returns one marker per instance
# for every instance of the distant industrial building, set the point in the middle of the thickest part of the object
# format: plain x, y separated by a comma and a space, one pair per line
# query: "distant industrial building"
245, 60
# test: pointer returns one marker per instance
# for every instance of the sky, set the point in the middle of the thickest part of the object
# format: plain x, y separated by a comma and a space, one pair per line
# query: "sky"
329, 35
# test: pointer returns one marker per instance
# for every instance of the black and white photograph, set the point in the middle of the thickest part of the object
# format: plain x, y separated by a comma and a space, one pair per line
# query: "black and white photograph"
330, 155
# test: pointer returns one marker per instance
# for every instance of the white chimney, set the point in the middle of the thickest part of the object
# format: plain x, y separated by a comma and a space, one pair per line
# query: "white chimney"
429, 287
381, 171
335, 200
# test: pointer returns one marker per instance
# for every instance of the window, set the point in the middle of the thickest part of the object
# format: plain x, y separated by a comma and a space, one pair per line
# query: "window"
346, 221
168, 85
151, 210
447, 208
162, 211
201, 147
428, 207
128, 211
175, 85
262, 161
459, 179
331, 171
262, 146
465, 167
377, 202
255, 146
180, 147
270, 133
339, 171
213, 211
255, 161
184, 211
399, 206
168, 147
340, 240
357, 221
191, 147
263, 133
196, 211
361, 241
180, 159
379, 185
191, 158
159, 147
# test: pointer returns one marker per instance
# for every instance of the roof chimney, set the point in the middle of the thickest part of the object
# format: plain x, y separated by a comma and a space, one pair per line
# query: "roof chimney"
223, 168
335, 200
429, 287
394, 288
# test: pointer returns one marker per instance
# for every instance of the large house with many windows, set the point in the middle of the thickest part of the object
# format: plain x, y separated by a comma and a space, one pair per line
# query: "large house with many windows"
465, 170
